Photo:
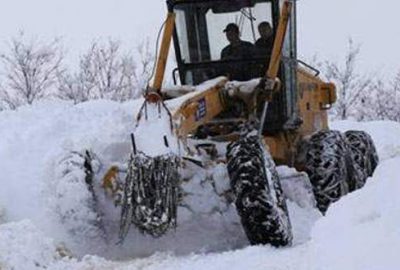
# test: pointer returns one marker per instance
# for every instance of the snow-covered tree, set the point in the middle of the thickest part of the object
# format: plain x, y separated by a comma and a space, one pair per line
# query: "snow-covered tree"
350, 84
395, 99
106, 72
30, 70
145, 64
381, 101
103, 73
71, 88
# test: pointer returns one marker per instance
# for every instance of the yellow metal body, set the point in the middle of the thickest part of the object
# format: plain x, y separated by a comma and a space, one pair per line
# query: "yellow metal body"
110, 182
314, 98
276, 55
164, 49
189, 115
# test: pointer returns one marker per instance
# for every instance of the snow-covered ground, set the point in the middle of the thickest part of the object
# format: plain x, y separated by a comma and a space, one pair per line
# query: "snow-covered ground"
361, 231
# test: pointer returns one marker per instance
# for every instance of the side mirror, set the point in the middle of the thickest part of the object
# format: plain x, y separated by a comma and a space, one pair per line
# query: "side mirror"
174, 75
316, 71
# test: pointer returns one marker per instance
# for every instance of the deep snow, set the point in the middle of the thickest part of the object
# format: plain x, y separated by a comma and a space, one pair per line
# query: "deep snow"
361, 231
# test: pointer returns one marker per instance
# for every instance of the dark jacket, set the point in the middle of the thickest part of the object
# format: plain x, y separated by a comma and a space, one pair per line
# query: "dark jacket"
238, 71
264, 47
241, 51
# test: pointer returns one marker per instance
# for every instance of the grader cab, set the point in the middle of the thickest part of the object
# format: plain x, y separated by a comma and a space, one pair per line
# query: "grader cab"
273, 112
199, 39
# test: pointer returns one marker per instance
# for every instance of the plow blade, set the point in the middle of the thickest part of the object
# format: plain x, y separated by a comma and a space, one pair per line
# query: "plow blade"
297, 187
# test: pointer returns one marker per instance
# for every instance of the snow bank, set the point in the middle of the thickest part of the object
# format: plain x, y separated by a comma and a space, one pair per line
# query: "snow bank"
254, 258
33, 139
362, 230
24, 247
386, 135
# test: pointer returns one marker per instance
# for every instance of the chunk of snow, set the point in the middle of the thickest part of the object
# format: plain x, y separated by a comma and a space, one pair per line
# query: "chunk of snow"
24, 247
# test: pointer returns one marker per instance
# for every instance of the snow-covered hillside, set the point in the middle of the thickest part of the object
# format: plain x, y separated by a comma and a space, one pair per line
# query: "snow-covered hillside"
361, 231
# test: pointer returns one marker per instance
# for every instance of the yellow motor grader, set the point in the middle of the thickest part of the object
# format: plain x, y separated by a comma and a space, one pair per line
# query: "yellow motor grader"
273, 112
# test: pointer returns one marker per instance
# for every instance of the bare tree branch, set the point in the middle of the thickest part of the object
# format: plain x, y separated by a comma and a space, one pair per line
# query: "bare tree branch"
106, 72
30, 70
350, 85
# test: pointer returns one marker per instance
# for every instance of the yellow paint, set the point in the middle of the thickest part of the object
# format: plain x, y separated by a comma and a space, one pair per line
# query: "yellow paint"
187, 115
276, 55
164, 50
110, 179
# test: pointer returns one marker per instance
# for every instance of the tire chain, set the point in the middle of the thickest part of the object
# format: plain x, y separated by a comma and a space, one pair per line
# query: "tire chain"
327, 164
339, 163
150, 195
364, 150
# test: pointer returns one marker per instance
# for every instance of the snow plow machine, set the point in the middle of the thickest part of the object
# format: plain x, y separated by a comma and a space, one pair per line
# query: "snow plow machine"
266, 108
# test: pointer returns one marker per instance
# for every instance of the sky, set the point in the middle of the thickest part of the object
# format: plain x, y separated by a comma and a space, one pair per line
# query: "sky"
324, 26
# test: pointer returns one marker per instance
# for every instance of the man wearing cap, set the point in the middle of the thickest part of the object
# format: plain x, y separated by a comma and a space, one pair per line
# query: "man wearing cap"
266, 41
237, 49
263, 45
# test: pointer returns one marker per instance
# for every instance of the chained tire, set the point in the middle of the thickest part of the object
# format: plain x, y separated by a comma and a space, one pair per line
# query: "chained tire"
76, 201
260, 202
328, 165
364, 151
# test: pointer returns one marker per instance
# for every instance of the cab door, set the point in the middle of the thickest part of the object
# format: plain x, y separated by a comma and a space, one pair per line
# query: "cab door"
289, 63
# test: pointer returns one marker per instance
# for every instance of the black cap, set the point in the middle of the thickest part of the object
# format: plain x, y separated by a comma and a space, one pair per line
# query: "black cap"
232, 27
265, 24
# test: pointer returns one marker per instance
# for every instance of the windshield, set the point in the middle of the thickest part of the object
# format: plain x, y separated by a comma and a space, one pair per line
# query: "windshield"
200, 27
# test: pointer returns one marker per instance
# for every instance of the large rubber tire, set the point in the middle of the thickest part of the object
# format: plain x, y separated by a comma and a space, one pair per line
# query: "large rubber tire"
327, 165
364, 150
259, 199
